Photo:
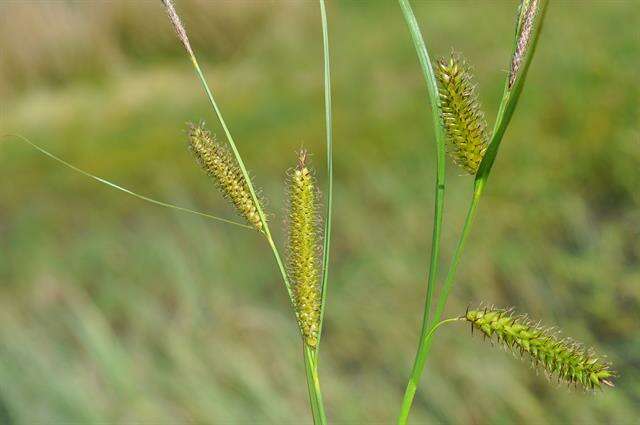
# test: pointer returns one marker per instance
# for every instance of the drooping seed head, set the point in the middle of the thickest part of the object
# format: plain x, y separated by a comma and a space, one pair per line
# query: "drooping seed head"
218, 162
527, 13
566, 360
464, 122
304, 249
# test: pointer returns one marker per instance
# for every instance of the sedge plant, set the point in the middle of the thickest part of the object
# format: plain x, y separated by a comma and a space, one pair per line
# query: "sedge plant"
305, 275
461, 130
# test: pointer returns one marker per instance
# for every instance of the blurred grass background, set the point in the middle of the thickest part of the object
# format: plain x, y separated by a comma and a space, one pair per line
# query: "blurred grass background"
113, 310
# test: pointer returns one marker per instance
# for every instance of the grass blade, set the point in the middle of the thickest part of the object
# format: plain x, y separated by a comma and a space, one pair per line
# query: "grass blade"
329, 191
122, 189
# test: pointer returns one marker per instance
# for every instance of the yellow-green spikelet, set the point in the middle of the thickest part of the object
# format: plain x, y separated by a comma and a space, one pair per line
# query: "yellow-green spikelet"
218, 162
560, 357
464, 122
303, 249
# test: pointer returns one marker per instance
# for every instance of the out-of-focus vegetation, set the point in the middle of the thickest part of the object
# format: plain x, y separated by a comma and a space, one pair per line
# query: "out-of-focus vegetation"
113, 310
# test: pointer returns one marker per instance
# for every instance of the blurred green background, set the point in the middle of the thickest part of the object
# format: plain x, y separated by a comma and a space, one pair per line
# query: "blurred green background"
113, 310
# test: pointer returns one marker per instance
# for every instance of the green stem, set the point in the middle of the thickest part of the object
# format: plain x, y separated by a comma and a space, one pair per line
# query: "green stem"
412, 385
313, 384
329, 190
432, 88
425, 342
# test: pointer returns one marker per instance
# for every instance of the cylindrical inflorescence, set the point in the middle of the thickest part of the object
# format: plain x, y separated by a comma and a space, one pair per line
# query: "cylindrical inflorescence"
464, 123
304, 249
559, 357
218, 162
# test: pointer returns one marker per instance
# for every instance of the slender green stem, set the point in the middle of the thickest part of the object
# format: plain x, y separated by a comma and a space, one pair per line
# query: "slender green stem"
466, 229
432, 88
329, 190
412, 385
425, 345
313, 383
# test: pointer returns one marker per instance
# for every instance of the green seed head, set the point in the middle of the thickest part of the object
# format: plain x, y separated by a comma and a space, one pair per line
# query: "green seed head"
304, 249
567, 361
218, 162
464, 122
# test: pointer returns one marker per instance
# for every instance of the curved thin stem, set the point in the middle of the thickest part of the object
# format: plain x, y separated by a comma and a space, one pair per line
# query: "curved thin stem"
412, 385
432, 88
120, 188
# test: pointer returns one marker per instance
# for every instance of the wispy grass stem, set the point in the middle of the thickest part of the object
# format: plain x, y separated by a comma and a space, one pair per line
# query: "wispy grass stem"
123, 189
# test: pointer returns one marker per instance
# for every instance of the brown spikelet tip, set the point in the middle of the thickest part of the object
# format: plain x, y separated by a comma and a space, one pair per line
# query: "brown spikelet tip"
568, 361
304, 249
177, 25
527, 13
462, 117
217, 161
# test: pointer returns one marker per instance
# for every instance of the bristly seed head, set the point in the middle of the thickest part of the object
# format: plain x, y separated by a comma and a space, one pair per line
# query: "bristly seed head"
559, 357
304, 249
218, 162
464, 122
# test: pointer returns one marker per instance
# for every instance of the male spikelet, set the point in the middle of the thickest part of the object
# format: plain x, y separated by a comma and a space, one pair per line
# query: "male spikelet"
566, 360
218, 162
303, 249
527, 13
464, 122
